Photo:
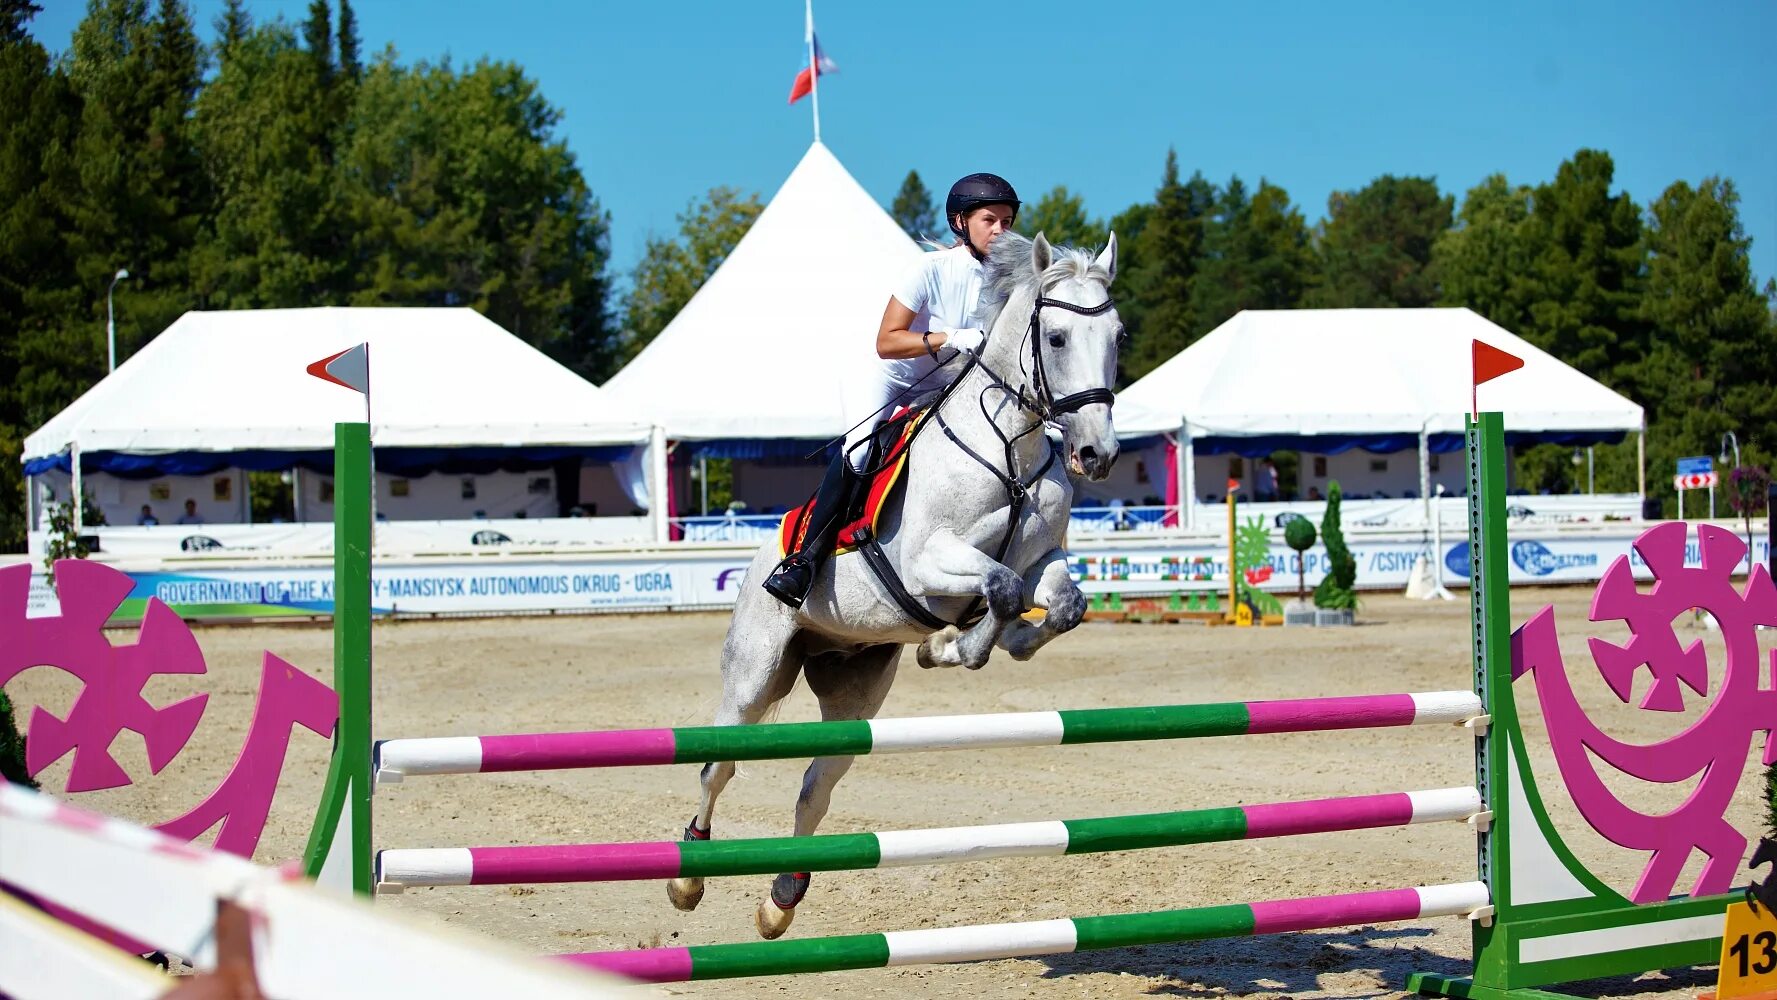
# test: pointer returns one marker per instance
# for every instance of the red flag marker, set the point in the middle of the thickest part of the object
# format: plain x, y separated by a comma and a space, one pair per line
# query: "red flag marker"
1488, 363
350, 368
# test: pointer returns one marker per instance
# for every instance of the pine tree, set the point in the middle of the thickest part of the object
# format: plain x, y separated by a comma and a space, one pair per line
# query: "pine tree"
14, 14
1484, 261
1256, 256
1061, 215
914, 211
139, 203
39, 286
317, 39
1586, 272
1715, 353
1169, 252
232, 25
1376, 244
350, 66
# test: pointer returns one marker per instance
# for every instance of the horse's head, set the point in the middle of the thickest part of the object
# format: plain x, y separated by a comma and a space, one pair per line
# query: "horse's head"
1059, 330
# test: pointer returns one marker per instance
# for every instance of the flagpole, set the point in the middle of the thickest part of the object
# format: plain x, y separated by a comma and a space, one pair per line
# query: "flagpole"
814, 70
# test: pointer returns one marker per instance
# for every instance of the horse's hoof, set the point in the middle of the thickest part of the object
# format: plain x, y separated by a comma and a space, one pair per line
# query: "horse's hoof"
772, 920
685, 893
939, 648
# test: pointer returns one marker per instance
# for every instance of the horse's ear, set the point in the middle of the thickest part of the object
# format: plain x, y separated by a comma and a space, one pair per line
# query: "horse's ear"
1108, 258
1041, 254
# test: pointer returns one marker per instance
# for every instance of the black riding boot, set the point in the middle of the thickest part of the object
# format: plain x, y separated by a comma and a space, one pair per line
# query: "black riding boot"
794, 576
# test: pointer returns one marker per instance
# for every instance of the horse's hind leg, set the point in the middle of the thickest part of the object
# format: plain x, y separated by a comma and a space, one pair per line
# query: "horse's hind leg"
849, 688
759, 666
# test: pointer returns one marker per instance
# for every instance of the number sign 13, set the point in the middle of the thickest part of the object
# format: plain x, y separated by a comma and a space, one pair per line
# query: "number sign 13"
1748, 955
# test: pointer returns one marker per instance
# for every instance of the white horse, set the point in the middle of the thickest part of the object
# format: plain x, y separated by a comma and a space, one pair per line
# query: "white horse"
981, 524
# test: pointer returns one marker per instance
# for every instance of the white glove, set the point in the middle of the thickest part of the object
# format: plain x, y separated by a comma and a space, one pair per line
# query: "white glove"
965, 340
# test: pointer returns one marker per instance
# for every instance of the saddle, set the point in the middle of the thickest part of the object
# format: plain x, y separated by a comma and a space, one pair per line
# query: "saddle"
888, 457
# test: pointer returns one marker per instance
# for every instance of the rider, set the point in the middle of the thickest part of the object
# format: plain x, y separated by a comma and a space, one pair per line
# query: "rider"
933, 307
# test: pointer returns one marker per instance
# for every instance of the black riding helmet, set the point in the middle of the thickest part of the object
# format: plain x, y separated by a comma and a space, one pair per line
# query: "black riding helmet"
974, 191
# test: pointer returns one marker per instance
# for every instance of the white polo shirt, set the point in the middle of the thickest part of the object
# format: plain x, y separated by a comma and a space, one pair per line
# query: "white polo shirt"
943, 289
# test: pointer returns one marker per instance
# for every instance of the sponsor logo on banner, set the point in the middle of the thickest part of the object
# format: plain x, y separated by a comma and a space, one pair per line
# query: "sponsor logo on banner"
1535, 558
1457, 559
731, 574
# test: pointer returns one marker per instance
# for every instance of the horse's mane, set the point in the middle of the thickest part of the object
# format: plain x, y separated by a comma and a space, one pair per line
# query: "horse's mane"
1006, 272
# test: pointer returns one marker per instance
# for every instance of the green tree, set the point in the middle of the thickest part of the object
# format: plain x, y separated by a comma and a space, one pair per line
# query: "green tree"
671, 271
1561, 265
1376, 244
232, 25
14, 15
262, 125
39, 122
1586, 271
914, 211
1061, 215
1167, 254
1484, 261
1256, 256
1714, 359
1135, 279
351, 65
141, 193
458, 192
317, 40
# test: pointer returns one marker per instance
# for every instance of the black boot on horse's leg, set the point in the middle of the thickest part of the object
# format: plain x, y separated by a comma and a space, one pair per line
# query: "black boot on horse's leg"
794, 576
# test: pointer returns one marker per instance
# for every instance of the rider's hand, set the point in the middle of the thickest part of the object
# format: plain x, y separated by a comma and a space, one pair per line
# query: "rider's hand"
965, 340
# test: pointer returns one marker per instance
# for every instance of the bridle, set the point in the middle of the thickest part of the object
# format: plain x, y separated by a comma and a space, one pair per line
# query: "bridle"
1048, 406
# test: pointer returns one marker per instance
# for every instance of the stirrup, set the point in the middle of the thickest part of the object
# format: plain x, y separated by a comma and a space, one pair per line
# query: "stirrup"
787, 585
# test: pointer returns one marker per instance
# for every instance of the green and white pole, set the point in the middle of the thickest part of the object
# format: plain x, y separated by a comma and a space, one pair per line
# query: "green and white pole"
340, 851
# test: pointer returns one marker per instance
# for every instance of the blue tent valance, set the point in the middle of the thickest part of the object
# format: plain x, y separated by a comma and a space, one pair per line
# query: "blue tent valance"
410, 462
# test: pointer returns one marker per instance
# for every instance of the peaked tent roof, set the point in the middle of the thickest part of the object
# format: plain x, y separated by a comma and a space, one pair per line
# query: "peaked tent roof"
236, 381
759, 352
1360, 373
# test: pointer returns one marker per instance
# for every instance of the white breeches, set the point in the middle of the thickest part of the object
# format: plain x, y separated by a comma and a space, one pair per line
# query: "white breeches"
866, 395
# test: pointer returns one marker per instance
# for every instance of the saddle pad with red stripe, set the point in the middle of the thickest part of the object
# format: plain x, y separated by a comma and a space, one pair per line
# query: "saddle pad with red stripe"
882, 486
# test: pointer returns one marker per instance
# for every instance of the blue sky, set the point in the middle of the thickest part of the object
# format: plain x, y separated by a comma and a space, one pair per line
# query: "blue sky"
665, 100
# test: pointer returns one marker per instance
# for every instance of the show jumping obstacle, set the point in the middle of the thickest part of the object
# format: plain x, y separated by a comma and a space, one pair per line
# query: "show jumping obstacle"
1538, 915
400, 869
702, 744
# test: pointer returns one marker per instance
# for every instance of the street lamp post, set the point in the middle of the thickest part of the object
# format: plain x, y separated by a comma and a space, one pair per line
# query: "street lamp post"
111, 321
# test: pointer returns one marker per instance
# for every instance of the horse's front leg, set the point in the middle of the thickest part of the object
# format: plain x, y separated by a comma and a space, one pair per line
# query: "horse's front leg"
1046, 586
947, 566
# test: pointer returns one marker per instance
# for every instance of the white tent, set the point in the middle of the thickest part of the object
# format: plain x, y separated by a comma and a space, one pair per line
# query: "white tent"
1368, 371
1312, 378
758, 351
237, 381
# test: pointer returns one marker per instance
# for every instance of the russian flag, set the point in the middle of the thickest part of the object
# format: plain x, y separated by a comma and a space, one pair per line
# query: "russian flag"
821, 64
